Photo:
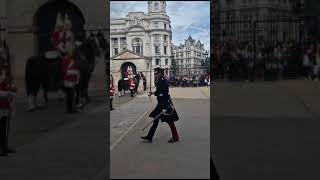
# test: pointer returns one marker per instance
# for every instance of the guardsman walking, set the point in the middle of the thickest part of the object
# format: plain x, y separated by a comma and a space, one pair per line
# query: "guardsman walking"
7, 94
71, 76
164, 110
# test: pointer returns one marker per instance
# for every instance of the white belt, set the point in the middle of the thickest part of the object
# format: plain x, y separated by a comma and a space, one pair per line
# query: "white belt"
162, 94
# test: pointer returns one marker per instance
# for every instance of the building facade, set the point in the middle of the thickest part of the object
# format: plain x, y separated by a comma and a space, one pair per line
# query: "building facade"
189, 57
147, 35
274, 19
21, 21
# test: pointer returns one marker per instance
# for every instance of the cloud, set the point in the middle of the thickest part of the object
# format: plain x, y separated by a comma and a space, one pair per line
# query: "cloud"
188, 18
119, 9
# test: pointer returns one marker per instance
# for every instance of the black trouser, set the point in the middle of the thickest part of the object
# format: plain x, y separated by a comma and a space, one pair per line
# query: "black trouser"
4, 134
132, 91
111, 104
70, 93
154, 128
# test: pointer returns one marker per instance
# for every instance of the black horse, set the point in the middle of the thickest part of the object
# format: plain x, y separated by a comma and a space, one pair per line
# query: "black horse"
37, 76
42, 72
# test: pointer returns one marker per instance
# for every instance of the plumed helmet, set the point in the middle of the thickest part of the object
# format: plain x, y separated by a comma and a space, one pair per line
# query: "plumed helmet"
59, 21
67, 22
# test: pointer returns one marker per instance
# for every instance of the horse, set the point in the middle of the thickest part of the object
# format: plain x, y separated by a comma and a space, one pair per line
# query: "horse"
36, 76
41, 70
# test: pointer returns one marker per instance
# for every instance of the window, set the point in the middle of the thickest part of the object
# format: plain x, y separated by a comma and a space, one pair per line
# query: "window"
166, 61
157, 37
115, 51
157, 50
188, 53
137, 46
165, 49
165, 38
157, 62
114, 42
123, 40
156, 6
165, 26
156, 24
123, 43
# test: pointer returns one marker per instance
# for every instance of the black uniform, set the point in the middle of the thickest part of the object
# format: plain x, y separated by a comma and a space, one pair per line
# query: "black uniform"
164, 102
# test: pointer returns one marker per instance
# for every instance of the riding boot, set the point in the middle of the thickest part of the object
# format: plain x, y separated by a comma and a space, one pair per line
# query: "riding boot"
174, 132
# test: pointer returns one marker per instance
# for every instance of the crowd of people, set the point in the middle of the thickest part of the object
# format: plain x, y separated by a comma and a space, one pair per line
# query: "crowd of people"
190, 80
269, 60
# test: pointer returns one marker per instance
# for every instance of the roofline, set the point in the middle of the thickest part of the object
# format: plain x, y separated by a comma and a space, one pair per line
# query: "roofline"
127, 50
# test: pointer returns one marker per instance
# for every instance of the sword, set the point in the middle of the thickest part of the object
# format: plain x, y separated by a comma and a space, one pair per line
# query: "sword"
156, 118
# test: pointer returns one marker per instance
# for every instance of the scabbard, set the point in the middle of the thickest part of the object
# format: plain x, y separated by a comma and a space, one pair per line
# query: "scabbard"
156, 118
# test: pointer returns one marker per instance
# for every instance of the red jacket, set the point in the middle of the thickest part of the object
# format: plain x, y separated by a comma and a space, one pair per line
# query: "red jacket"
6, 90
70, 71
131, 83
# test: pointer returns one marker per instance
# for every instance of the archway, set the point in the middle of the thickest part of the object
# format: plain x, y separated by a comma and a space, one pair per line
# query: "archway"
45, 20
127, 66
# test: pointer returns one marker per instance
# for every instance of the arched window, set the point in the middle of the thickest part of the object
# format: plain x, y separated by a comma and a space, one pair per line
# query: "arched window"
156, 6
137, 46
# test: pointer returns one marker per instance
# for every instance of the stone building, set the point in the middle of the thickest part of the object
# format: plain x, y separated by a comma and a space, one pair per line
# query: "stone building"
29, 24
189, 56
141, 41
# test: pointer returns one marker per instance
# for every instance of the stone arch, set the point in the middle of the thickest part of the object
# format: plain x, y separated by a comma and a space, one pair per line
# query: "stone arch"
45, 19
124, 67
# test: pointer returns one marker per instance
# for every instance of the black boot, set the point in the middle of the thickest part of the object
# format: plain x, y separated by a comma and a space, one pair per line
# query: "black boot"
172, 140
146, 138
151, 131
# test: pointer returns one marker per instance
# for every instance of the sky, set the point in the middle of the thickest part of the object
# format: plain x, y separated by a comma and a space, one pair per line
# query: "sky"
187, 18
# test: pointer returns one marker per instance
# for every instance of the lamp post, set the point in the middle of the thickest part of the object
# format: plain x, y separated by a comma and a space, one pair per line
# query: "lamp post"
206, 62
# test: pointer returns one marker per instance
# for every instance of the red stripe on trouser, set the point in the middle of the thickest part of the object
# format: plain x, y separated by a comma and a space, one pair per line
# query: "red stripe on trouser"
173, 130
